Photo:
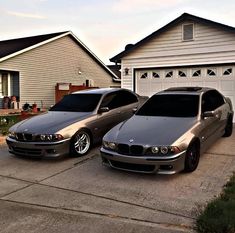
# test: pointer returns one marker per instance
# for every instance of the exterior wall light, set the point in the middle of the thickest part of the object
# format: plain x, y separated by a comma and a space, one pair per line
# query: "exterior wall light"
126, 71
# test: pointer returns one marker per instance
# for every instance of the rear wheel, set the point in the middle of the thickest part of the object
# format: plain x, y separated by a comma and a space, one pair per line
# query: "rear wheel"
192, 158
80, 143
228, 128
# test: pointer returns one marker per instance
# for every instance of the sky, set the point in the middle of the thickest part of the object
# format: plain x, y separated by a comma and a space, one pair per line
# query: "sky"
105, 26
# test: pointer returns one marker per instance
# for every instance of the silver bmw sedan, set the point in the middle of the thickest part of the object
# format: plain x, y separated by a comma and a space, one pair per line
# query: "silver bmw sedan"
169, 132
72, 125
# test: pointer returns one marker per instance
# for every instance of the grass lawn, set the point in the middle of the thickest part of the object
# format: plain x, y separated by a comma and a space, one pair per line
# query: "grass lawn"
219, 215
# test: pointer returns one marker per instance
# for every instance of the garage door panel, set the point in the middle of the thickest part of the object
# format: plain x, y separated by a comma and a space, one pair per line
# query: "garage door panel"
227, 85
169, 85
212, 84
220, 77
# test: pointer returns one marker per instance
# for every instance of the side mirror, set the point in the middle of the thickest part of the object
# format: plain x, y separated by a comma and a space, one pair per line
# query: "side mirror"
103, 109
208, 114
134, 110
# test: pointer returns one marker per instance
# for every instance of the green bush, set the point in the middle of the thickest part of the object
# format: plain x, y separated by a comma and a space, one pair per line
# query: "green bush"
6, 122
219, 215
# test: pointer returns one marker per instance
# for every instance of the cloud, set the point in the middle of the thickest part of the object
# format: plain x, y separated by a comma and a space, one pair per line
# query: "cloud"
25, 15
143, 5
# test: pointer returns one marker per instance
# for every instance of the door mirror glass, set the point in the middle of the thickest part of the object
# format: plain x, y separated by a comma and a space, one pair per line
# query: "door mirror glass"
103, 109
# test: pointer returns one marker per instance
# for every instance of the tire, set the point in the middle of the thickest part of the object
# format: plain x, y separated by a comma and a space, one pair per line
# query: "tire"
228, 128
80, 143
192, 158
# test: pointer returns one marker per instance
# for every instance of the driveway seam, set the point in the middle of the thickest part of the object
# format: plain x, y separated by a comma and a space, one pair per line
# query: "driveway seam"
74, 165
220, 154
93, 195
163, 225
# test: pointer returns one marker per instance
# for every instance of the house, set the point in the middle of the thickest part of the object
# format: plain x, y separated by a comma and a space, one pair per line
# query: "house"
189, 51
31, 67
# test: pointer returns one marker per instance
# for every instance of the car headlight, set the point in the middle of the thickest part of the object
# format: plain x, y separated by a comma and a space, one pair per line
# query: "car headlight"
109, 145
50, 137
165, 150
12, 135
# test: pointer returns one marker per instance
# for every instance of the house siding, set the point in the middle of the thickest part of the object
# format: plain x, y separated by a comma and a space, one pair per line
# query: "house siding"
211, 45
56, 62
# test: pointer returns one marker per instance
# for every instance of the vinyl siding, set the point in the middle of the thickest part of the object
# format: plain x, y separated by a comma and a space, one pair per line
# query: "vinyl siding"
58, 61
211, 45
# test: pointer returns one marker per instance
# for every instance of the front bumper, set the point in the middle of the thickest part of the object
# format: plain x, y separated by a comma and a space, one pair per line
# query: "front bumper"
144, 164
38, 149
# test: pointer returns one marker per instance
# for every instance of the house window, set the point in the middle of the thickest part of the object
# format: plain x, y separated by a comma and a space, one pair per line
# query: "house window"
188, 32
196, 73
169, 74
4, 85
144, 75
182, 73
156, 75
228, 71
211, 72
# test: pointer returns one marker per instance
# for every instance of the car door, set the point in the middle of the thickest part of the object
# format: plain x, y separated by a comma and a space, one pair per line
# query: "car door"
210, 125
106, 120
120, 104
127, 101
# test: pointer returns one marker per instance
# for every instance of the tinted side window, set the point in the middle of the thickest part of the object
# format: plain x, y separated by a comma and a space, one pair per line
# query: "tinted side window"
125, 98
110, 101
211, 100
217, 99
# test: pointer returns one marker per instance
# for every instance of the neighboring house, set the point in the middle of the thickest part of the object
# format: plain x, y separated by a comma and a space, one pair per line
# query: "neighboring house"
31, 67
116, 69
189, 51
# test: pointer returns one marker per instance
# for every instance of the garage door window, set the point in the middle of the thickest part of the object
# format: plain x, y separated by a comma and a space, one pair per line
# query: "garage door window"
211, 72
227, 71
182, 73
144, 75
169, 74
196, 73
156, 75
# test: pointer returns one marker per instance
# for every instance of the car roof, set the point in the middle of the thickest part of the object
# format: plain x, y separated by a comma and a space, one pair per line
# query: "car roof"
186, 90
96, 91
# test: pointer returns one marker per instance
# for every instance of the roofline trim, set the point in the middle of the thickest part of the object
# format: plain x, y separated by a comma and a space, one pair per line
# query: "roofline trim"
114, 77
33, 46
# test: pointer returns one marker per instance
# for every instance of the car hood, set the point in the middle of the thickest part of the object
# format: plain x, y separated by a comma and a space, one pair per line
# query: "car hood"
147, 130
49, 122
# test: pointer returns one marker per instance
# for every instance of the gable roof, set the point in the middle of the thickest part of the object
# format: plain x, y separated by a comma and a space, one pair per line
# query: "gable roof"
181, 18
8, 47
14, 47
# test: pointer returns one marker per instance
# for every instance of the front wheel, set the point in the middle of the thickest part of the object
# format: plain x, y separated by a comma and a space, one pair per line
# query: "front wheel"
192, 158
80, 143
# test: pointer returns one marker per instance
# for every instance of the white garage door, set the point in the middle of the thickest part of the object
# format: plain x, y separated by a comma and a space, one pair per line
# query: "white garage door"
149, 81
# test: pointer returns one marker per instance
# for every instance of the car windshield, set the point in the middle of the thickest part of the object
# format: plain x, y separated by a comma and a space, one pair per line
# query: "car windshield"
171, 105
77, 103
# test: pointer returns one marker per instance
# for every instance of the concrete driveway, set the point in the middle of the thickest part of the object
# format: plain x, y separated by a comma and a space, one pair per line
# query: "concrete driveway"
80, 195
